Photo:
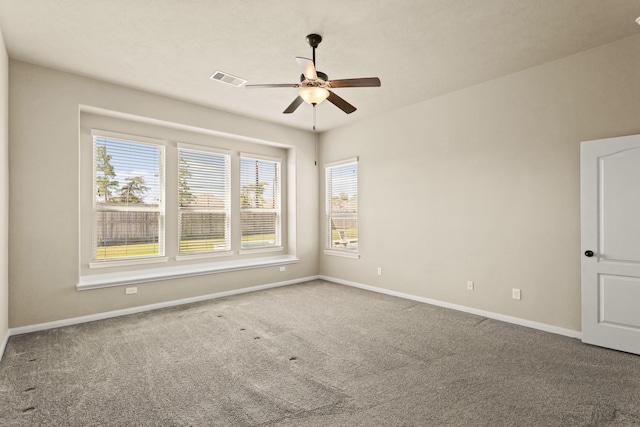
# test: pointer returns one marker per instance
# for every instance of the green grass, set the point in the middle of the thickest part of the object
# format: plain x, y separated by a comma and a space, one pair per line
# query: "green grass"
258, 237
350, 233
351, 236
122, 251
186, 246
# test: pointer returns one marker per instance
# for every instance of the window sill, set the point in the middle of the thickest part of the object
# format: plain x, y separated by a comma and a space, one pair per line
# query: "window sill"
186, 257
248, 251
96, 281
343, 254
127, 262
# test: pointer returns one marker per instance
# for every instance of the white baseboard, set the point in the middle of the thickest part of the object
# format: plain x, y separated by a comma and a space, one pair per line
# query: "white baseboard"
509, 319
123, 312
4, 342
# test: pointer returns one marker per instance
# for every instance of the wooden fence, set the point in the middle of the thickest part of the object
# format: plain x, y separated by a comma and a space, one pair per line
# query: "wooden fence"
118, 228
202, 225
344, 223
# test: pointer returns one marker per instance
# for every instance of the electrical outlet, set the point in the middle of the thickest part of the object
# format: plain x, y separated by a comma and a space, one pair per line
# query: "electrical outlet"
130, 291
283, 268
379, 271
515, 293
469, 285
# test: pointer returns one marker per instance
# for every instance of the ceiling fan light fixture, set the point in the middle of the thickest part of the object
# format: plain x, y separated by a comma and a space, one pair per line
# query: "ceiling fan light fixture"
314, 84
313, 95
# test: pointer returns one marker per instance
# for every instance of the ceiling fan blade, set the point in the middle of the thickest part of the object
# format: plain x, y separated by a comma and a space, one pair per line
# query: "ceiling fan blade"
307, 67
340, 103
274, 85
293, 106
362, 82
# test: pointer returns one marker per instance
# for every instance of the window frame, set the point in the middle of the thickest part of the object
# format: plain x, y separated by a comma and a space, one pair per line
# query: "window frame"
115, 274
228, 202
330, 249
161, 209
277, 246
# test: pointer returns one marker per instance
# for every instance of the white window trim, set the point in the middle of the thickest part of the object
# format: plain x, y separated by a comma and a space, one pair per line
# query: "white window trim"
203, 255
344, 253
341, 162
128, 125
96, 281
128, 137
161, 209
259, 250
197, 147
260, 157
182, 256
123, 262
278, 244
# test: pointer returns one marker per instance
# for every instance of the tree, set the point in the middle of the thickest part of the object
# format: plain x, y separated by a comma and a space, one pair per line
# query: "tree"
133, 190
184, 191
340, 202
252, 195
105, 174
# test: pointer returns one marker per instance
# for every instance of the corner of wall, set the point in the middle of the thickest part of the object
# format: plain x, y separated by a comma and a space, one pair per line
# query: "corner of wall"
4, 196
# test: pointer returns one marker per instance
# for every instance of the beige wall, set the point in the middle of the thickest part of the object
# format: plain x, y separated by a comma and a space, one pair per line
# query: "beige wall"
44, 235
483, 184
4, 192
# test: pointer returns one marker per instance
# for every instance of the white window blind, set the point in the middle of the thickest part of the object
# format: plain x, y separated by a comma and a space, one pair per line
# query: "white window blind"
259, 202
128, 208
204, 201
342, 205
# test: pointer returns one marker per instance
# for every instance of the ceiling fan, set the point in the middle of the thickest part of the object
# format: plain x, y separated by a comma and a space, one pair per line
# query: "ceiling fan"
314, 85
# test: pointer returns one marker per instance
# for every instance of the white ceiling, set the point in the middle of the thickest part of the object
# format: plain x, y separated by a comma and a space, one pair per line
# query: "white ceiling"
418, 48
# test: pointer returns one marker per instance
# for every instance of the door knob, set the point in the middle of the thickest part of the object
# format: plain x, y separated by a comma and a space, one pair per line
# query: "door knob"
589, 253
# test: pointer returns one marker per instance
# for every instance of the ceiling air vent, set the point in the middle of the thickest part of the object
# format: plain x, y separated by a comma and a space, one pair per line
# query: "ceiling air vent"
228, 79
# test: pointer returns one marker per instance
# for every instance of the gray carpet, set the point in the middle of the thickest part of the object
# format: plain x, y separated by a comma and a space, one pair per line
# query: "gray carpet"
313, 354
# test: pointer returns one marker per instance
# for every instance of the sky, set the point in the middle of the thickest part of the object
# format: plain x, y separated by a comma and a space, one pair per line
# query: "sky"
130, 159
206, 170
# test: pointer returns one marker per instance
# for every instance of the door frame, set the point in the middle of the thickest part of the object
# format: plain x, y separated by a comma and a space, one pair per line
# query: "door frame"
595, 331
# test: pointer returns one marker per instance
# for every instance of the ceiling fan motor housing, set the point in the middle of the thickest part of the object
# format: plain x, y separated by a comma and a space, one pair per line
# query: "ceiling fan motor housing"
321, 76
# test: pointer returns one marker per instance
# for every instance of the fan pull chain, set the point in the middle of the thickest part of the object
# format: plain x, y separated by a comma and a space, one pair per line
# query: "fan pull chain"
315, 134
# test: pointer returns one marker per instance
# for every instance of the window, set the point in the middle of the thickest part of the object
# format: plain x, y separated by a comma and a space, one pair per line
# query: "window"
259, 202
342, 205
128, 202
204, 194
154, 208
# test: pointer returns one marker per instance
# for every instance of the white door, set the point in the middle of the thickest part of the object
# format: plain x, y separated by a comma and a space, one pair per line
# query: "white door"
610, 196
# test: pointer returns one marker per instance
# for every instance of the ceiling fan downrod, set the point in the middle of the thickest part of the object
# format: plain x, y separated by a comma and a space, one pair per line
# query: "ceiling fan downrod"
314, 40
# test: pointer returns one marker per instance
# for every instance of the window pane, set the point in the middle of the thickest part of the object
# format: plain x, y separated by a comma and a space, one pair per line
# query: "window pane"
203, 232
342, 206
127, 172
128, 207
127, 234
344, 233
259, 229
260, 203
204, 201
